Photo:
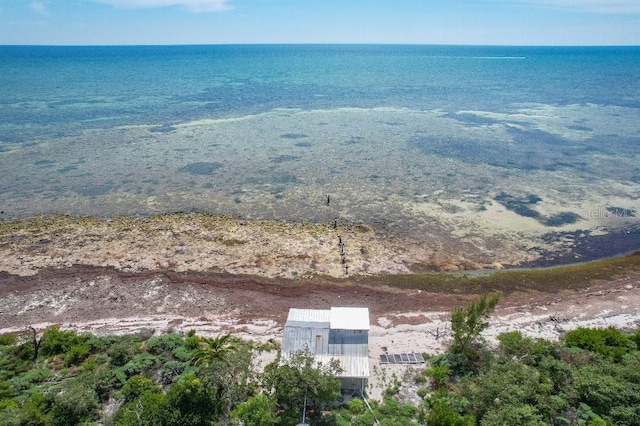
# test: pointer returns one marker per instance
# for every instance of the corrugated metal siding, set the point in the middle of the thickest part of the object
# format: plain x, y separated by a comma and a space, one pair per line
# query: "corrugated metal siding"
314, 340
349, 342
351, 366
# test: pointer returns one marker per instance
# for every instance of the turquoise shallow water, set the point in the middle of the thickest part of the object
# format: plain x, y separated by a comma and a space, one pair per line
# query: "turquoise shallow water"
486, 150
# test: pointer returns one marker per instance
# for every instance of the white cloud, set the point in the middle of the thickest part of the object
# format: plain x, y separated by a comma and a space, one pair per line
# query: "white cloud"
599, 6
193, 5
38, 7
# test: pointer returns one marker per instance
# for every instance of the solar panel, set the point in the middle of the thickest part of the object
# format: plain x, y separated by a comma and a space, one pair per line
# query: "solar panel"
402, 358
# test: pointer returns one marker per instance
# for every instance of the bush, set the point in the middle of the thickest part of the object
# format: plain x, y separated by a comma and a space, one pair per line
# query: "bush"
30, 412
104, 382
441, 414
76, 354
150, 409
24, 382
608, 342
140, 364
136, 386
8, 339
170, 370
74, 404
121, 353
259, 410
515, 346
513, 415
165, 343
439, 374
181, 353
192, 402
356, 406
54, 341
6, 390
23, 352
192, 341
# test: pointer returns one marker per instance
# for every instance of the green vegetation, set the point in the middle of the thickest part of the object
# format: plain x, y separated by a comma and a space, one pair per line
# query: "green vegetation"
589, 377
560, 278
170, 379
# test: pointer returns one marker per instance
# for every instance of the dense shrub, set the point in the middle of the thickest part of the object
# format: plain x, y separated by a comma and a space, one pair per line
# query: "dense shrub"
608, 342
139, 365
8, 339
259, 410
76, 354
55, 341
164, 343
24, 382
138, 385
121, 353
73, 404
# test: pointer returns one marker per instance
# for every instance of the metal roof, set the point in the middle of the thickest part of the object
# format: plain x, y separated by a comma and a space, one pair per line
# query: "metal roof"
316, 318
336, 318
349, 318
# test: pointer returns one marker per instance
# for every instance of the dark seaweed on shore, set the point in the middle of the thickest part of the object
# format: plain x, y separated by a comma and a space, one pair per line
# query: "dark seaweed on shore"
549, 280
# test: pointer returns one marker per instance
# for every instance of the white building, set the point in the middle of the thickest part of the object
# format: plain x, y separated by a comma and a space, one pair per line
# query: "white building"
337, 333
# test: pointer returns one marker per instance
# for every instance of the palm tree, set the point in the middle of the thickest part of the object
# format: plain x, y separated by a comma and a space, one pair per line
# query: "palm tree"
215, 350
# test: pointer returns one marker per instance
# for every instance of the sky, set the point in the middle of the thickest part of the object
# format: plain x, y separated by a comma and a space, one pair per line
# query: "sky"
484, 22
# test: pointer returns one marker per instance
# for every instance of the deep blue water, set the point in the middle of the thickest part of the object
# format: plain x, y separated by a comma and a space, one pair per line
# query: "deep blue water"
52, 91
454, 141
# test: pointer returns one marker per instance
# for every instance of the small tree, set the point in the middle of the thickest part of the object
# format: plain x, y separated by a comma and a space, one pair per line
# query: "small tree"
74, 403
259, 410
36, 342
224, 364
215, 350
300, 378
468, 322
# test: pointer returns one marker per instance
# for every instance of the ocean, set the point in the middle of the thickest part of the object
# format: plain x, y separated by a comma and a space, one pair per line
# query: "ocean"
512, 153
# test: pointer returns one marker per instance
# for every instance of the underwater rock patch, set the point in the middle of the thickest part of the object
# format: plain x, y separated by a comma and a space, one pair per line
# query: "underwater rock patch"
285, 158
304, 144
165, 128
471, 119
518, 205
95, 190
201, 168
294, 136
563, 218
284, 178
353, 140
622, 212
44, 163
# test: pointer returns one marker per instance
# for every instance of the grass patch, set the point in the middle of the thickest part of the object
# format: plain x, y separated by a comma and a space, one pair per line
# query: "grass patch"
571, 277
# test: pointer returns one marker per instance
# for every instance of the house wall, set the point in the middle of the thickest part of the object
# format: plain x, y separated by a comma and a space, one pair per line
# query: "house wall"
314, 340
349, 343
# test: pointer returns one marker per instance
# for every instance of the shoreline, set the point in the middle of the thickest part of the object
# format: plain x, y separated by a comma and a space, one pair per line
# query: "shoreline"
203, 242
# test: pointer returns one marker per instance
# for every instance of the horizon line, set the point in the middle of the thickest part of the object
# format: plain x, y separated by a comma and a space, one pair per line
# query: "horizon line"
310, 44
